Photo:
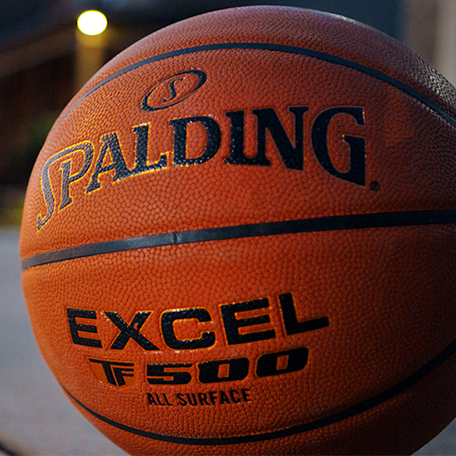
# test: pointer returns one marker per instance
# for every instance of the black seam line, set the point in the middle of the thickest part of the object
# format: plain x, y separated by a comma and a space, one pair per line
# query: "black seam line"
275, 48
357, 409
336, 223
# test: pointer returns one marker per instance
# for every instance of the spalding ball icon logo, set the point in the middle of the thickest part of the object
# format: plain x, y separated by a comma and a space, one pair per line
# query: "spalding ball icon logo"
173, 90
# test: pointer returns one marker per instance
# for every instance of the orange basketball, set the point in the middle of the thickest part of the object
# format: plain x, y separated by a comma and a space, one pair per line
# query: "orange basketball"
239, 238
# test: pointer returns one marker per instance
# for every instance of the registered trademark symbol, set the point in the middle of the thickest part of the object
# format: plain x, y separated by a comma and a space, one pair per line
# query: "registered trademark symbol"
375, 186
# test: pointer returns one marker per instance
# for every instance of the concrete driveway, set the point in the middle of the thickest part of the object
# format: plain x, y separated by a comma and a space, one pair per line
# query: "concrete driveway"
36, 417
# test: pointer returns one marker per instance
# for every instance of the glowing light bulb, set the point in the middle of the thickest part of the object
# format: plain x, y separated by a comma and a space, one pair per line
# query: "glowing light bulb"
92, 22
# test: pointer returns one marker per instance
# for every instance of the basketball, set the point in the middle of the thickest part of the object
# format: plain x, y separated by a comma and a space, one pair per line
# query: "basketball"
239, 238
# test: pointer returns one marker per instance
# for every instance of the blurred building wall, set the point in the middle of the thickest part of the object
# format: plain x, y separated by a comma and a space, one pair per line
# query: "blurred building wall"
430, 30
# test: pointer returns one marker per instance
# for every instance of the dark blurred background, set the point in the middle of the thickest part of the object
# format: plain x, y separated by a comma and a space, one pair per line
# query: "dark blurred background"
44, 60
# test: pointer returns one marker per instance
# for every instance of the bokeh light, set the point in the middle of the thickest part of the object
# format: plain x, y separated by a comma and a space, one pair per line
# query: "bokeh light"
92, 22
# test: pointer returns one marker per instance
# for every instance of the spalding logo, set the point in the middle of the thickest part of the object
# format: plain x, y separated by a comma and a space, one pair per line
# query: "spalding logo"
73, 163
173, 90
289, 147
